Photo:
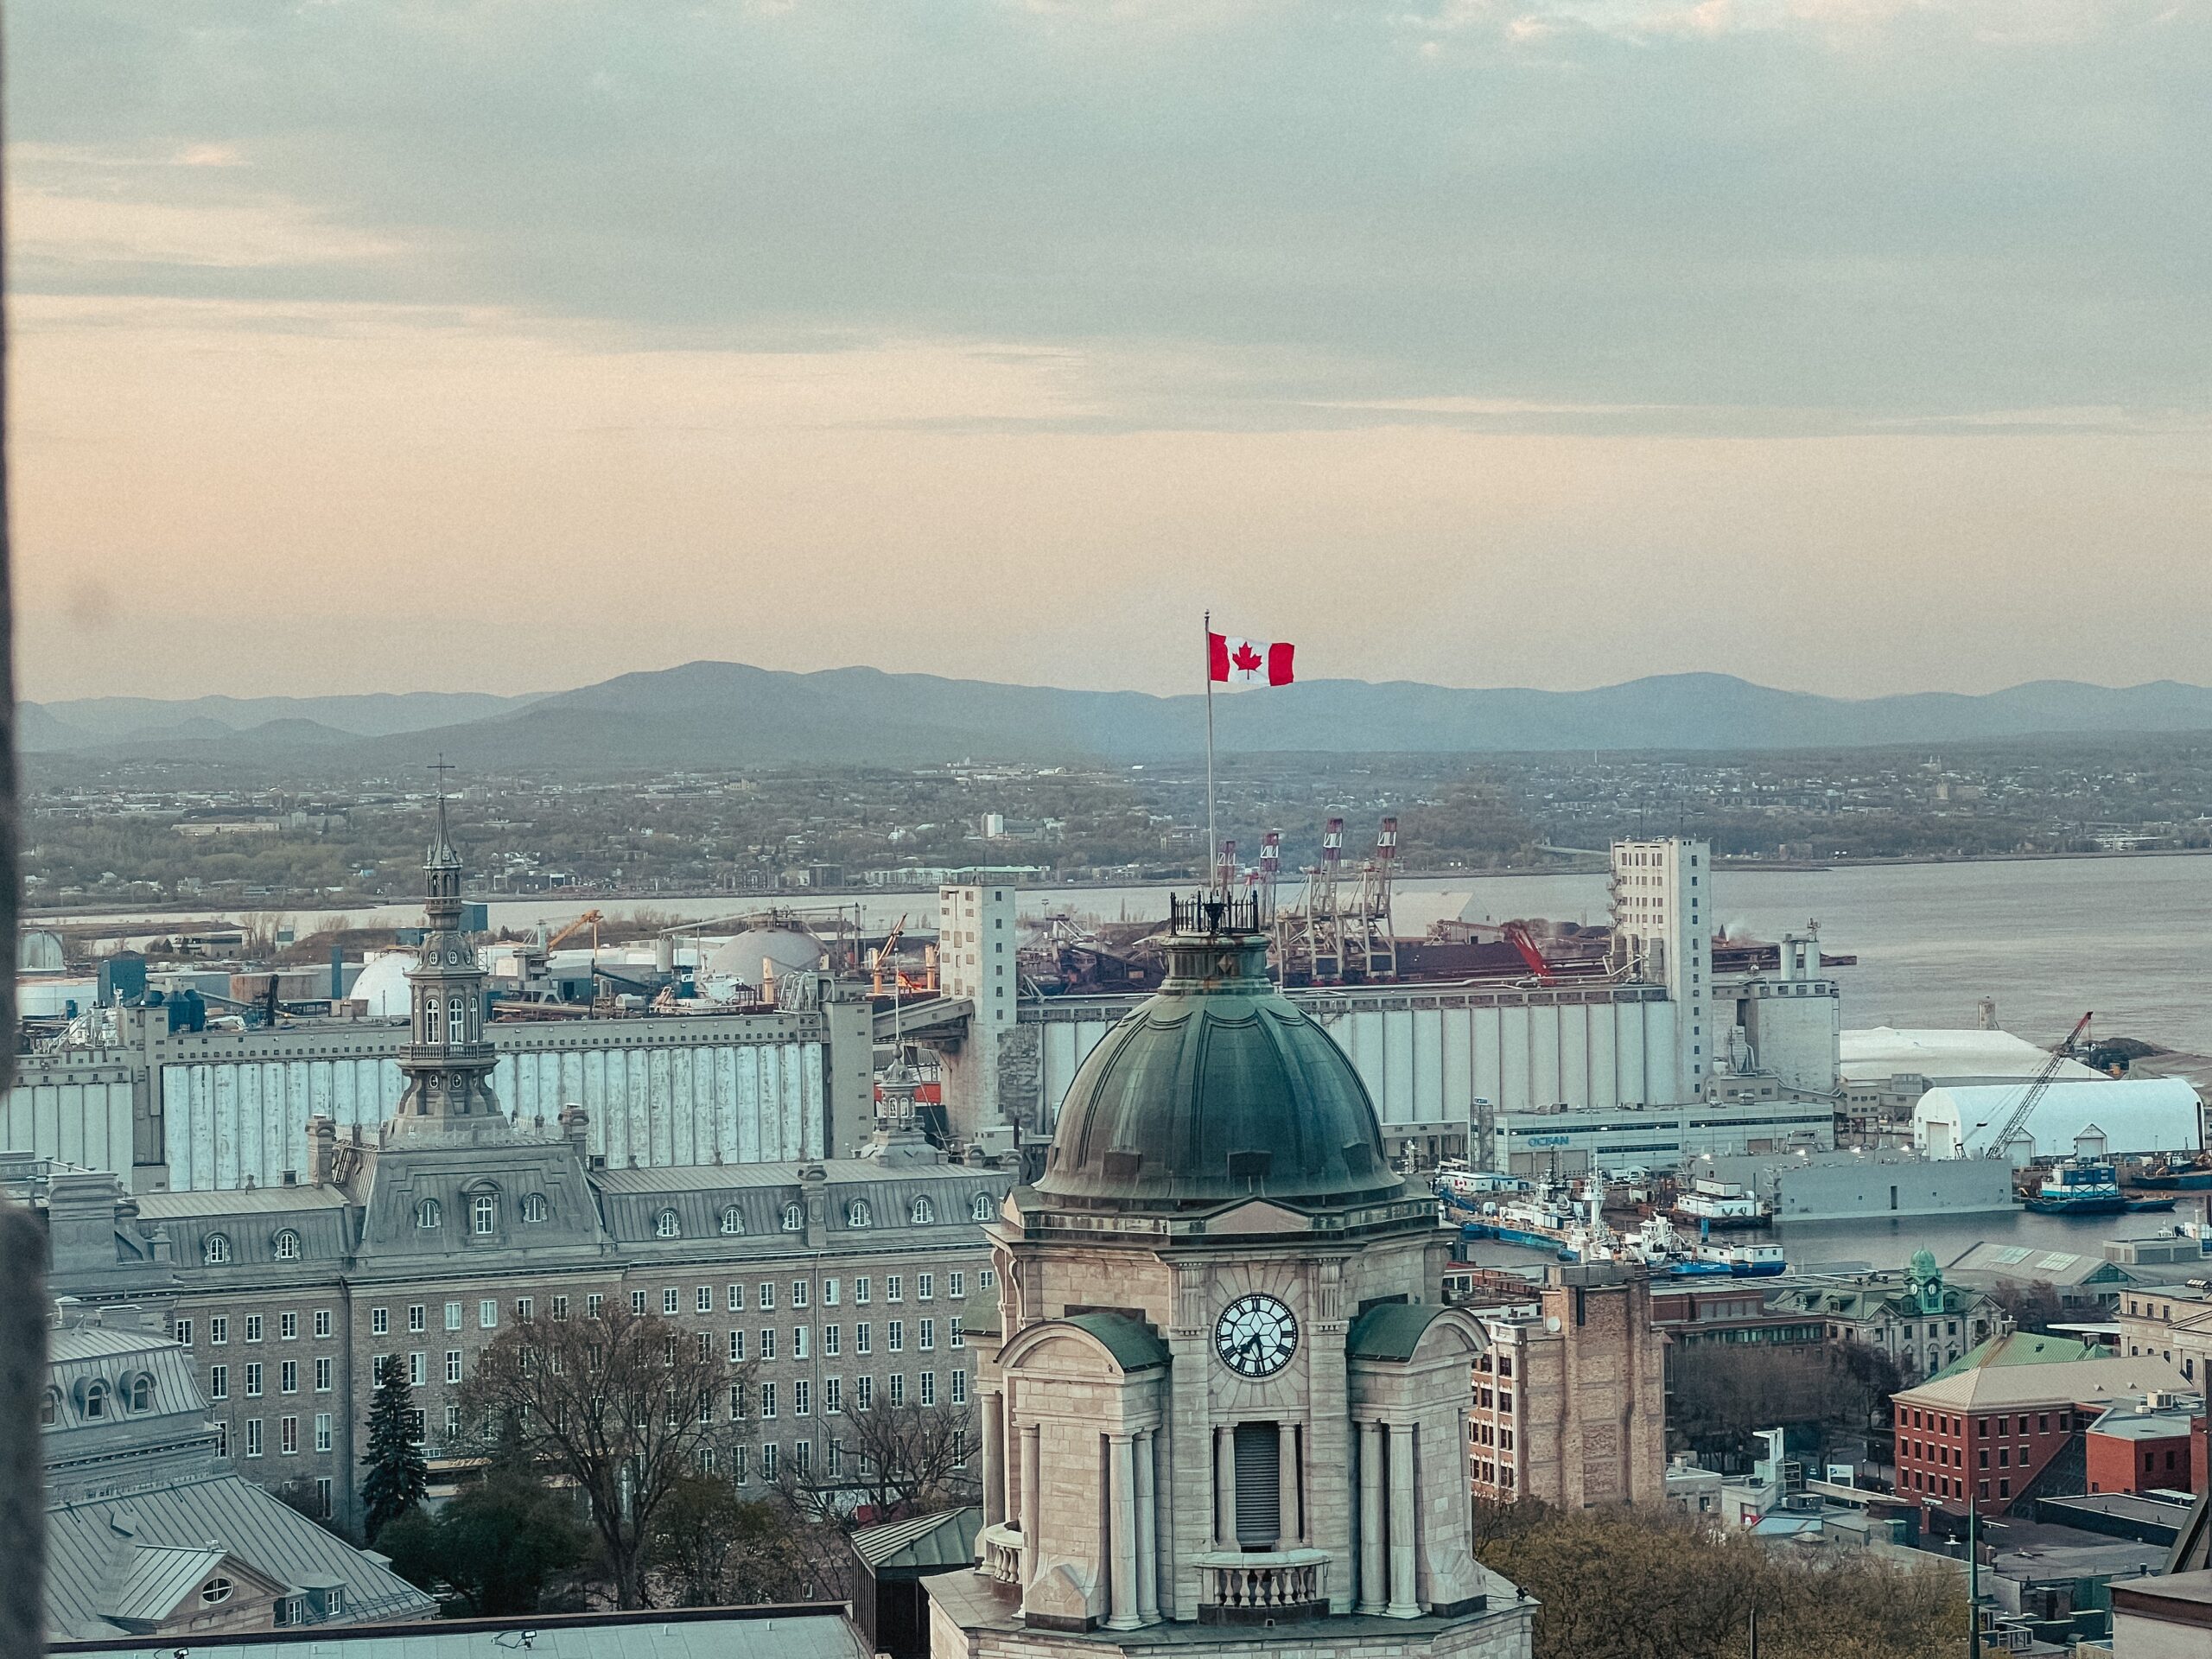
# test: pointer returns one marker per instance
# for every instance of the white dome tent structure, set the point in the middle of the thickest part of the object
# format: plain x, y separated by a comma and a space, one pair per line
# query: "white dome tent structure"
2132, 1117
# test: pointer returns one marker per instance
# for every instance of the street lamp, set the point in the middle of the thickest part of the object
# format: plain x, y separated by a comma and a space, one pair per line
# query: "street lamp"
1974, 1565
1973, 1574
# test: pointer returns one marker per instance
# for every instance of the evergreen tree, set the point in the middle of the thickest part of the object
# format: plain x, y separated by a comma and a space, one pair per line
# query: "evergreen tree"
397, 1477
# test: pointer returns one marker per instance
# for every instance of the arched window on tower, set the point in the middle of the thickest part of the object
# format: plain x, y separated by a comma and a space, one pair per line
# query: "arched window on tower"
456, 1019
434, 1029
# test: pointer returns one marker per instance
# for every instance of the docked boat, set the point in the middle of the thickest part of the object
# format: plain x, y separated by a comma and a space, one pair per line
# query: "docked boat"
1710, 1205
1744, 1260
2079, 1187
2185, 1179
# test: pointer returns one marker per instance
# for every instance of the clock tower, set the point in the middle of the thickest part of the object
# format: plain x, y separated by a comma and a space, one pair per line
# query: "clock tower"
1219, 1389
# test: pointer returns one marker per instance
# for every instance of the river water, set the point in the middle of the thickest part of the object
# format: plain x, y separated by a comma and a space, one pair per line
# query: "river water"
2049, 939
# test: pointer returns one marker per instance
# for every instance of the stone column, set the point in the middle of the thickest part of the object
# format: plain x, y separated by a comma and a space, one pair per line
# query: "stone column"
1224, 1488
994, 1482
1033, 1504
1371, 1517
1148, 1527
1402, 1561
1122, 1534
1287, 1485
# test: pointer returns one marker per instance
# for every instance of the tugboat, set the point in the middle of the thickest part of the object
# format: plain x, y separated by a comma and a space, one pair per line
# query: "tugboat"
2079, 1187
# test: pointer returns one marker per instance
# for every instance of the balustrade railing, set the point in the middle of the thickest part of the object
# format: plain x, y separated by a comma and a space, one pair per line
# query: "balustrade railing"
1001, 1555
1240, 1588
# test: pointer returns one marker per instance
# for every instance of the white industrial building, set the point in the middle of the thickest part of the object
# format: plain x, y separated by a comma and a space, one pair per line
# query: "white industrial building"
2095, 1117
1450, 1065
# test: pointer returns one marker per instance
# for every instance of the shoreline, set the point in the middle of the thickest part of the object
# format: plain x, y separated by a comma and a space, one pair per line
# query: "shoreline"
806, 898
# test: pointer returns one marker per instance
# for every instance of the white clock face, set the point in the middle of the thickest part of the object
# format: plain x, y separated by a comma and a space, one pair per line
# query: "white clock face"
1256, 1335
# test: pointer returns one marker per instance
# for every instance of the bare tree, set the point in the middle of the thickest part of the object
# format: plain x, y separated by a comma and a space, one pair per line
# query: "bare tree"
909, 1460
623, 1404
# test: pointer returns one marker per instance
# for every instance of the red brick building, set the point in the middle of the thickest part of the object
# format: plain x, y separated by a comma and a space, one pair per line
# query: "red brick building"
1983, 1430
2147, 1445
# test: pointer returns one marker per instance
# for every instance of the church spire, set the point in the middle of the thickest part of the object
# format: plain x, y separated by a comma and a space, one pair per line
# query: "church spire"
448, 1061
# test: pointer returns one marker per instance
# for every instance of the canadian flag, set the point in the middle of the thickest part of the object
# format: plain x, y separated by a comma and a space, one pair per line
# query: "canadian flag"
1248, 662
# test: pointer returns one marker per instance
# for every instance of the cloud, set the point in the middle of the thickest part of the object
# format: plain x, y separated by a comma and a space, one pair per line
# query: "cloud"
55, 228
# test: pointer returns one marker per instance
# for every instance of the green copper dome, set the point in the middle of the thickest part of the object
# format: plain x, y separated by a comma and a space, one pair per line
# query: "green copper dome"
1216, 1088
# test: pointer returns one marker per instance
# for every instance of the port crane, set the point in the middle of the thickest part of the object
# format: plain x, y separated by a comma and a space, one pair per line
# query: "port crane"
590, 918
1518, 936
2038, 1086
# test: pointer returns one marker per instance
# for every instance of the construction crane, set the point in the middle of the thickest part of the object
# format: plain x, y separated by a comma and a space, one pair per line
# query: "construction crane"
889, 954
590, 918
2037, 1087
1519, 938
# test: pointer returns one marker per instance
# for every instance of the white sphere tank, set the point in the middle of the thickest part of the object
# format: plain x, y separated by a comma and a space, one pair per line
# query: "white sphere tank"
382, 985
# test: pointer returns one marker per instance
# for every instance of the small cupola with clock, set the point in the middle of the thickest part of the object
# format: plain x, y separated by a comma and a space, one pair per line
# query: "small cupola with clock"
1222, 1388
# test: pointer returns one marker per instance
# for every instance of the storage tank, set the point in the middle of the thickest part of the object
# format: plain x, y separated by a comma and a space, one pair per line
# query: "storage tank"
759, 953
382, 985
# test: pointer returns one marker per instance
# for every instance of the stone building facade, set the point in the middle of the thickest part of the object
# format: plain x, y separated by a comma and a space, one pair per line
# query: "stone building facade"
839, 1282
1221, 1391
1569, 1401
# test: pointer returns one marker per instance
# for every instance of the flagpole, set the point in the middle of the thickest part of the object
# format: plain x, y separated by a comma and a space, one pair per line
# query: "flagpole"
1213, 846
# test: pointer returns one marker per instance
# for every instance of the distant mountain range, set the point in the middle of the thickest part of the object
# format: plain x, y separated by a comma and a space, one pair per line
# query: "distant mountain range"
708, 714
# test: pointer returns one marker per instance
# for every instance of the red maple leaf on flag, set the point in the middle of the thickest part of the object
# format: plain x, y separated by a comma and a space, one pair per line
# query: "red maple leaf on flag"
1246, 659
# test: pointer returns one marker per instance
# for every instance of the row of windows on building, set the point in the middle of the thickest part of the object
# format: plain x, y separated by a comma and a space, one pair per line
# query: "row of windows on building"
219, 1327
1943, 1423
254, 1443
859, 1213
254, 1375
1951, 1457
764, 1295
745, 1402
759, 1346
216, 1250
770, 1462
98, 1398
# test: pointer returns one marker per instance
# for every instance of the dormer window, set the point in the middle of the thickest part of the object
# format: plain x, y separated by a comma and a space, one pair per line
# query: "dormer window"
924, 1212
857, 1214
216, 1252
215, 1590
733, 1221
484, 1214
666, 1226
794, 1218
981, 1209
430, 1214
533, 1207
95, 1399
142, 1392
287, 1245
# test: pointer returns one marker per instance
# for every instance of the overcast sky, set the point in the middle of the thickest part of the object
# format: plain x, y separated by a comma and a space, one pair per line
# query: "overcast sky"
1853, 346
